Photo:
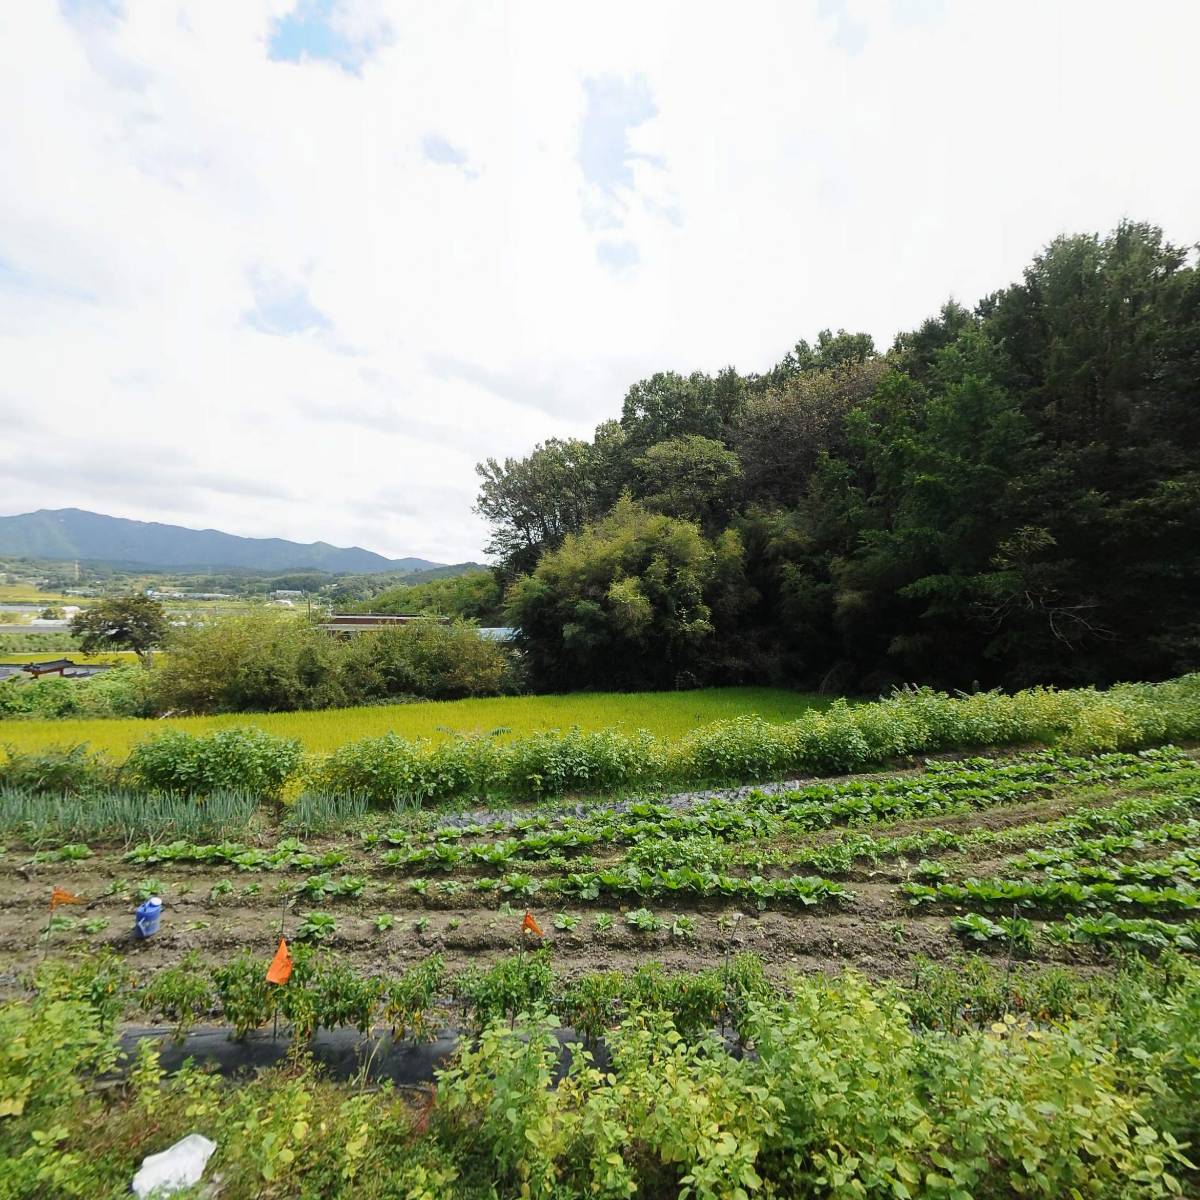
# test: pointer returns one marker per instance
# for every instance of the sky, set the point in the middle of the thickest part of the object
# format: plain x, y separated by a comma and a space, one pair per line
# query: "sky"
291, 268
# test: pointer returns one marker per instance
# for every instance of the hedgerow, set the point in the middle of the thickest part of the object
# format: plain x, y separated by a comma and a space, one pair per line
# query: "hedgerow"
390, 769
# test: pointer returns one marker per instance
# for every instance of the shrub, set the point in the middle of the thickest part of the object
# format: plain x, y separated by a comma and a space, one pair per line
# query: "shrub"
744, 748
247, 999
383, 769
59, 770
52, 697
227, 760
549, 764
261, 661
119, 692
520, 984
428, 659
181, 994
628, 602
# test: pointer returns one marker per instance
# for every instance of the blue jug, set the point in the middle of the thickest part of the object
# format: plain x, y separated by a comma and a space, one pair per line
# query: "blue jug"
145, 918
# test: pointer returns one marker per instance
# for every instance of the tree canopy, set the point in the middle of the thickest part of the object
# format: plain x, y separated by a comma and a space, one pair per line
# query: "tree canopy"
133, 622
1009, 495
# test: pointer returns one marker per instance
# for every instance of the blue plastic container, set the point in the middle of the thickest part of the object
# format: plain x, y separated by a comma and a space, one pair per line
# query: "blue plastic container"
145, 918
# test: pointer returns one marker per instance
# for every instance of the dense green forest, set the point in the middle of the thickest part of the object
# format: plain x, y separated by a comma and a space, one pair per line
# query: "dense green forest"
1010, 495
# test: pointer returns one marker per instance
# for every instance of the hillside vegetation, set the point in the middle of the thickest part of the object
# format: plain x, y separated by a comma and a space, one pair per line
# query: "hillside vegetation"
1009, 495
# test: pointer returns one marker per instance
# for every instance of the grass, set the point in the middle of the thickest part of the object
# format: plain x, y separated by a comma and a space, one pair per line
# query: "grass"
665, 714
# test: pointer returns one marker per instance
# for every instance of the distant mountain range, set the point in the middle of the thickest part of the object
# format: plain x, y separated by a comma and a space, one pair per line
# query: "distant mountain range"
72, 533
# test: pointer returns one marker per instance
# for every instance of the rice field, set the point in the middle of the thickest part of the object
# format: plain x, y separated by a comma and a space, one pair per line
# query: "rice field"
25, 593
665, 714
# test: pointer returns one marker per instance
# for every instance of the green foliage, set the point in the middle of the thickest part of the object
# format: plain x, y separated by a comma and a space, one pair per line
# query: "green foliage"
1010, 496
37, 814
410, 999
626, 603
1017, 1082
117, 692
1013, 933
180, 995
36, 643
259, 661
472, 596
133, 622
247, 999
316, 927
644, 921
521, 984
428, 659
694, 478
58, 770
246, 759
391, 771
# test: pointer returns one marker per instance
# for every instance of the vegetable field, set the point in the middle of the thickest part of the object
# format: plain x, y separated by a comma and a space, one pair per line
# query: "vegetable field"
1047, 857
987, 960
537, 967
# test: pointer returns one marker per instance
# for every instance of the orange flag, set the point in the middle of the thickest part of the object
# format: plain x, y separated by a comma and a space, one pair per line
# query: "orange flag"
529, 925
280, 970
62, 896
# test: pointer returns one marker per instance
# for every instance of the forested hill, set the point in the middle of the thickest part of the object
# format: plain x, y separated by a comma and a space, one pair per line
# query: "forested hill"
1009, 495
72, 533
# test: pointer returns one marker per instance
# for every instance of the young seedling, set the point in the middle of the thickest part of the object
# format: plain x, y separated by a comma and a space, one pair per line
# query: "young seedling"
683, 929
315, 927
384, 922
644, 921
565, 921
57, 924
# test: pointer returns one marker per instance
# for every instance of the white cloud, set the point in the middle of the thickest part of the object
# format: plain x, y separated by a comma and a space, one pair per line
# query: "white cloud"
291, 298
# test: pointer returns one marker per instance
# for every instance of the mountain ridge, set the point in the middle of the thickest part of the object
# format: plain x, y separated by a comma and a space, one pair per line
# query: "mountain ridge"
76, 533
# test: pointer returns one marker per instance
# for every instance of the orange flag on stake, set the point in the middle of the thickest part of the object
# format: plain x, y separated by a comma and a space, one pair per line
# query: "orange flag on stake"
280, 970
62, 896
529, 925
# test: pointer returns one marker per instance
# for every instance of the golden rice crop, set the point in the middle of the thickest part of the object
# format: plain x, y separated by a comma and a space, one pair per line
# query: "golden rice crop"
666, 714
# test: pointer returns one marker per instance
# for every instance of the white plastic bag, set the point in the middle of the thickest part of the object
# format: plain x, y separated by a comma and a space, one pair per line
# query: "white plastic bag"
176, 1167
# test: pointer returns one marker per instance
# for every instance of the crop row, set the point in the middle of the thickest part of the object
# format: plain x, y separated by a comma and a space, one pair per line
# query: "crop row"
1180, 867
941, 789
1108, 846
1018, 935
582, 885
324, 993
993, 894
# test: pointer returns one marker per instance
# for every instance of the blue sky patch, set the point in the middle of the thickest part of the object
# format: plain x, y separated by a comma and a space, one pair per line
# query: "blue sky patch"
312, 32
614, 107
438, 150
283, 308
108, 11
847, 33
617, 256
